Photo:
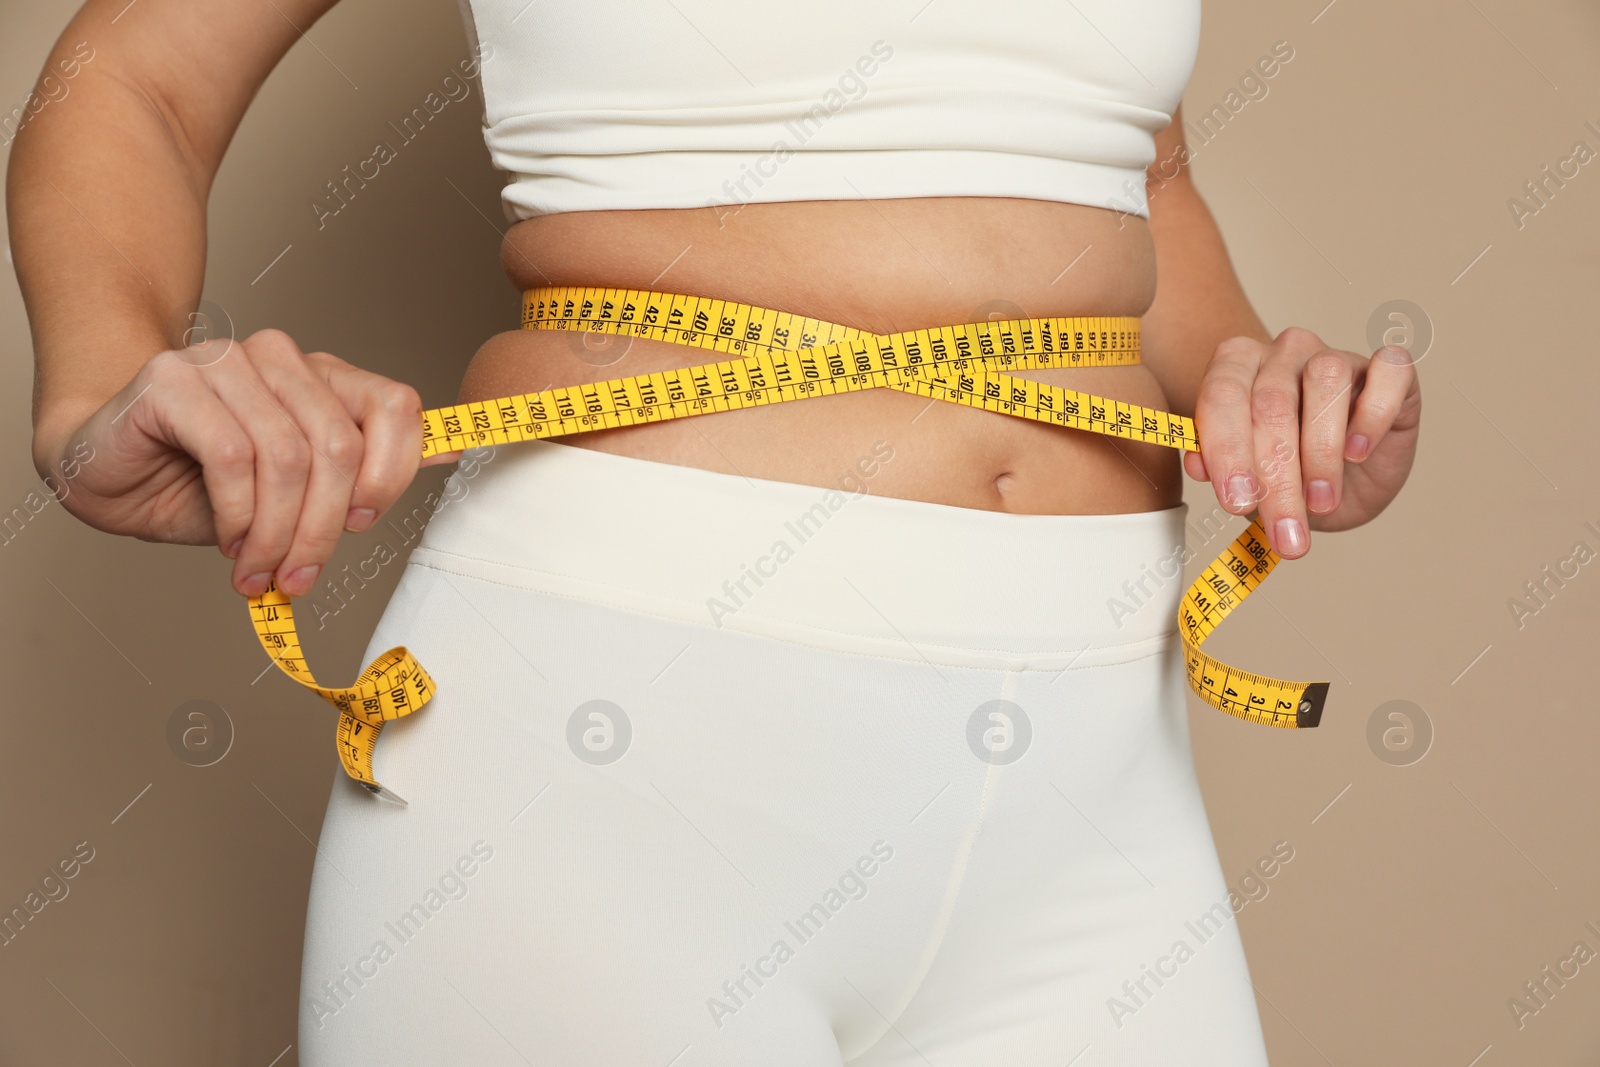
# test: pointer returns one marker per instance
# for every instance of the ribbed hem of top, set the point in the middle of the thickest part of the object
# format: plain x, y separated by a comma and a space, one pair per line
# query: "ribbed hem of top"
728, 180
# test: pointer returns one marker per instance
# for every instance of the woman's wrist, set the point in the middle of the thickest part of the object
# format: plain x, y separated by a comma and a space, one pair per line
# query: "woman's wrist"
55, 427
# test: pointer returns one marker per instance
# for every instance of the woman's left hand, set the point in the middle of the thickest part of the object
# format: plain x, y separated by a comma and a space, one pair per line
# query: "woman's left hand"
1303, 431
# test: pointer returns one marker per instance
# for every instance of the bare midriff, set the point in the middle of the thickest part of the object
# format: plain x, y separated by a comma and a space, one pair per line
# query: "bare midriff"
877, 265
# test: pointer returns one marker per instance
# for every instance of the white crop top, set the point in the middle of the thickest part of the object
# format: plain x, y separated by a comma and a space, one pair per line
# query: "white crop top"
604, 104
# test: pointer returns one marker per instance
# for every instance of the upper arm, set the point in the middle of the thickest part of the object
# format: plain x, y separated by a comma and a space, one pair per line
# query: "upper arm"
198, 62
1172, 156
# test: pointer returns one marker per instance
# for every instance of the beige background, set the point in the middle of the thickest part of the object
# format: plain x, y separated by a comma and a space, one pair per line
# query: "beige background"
1378, 167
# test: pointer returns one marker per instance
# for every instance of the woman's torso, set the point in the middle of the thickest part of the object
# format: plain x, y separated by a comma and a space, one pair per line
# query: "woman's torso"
881, 168
882, 266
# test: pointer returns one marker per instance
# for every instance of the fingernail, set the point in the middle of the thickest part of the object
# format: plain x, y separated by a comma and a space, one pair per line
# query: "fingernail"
359, 519
1291, 537
232, 551
1356, 447
299, 581
1241, 491
256, 584
1319, 495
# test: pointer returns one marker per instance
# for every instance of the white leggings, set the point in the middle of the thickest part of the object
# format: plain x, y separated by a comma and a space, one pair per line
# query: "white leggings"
725, 772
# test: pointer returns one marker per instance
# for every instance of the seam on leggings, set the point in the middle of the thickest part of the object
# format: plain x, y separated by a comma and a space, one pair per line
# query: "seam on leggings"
999, 665
930, 956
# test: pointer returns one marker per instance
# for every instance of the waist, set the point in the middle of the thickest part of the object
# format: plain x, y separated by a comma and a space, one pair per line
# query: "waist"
880, 266
831, 566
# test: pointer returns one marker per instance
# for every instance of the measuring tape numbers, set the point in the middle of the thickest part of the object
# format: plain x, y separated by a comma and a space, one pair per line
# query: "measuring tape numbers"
775, 357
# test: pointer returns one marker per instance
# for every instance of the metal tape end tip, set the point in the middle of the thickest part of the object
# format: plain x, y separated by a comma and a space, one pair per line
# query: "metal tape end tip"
1310, 711
385, 793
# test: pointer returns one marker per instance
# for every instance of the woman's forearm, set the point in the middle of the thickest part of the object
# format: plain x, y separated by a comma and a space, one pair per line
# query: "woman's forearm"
1199, 302
108, 234
106, 190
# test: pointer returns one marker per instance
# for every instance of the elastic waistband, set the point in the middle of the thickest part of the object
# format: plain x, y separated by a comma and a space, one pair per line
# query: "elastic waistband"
837, 568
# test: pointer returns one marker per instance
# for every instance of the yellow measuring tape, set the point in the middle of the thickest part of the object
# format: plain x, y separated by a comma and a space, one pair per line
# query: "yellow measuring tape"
777, 357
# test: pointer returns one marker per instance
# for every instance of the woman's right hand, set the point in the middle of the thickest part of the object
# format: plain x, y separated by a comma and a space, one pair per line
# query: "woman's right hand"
254, 446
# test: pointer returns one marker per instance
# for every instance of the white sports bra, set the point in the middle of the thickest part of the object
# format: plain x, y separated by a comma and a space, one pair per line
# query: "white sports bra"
604, 104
